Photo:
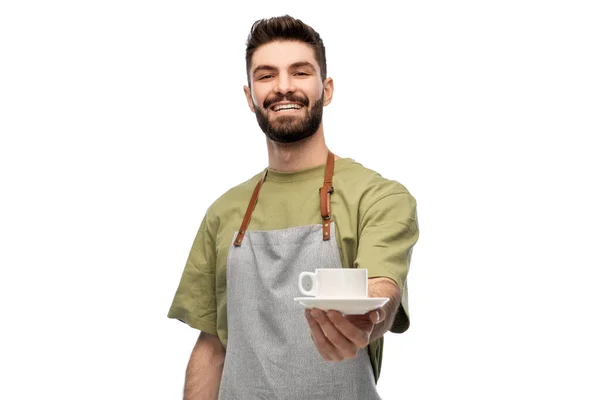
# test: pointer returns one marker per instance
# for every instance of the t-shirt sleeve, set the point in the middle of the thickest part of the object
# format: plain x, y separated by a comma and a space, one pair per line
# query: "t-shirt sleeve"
387, 233
195, 300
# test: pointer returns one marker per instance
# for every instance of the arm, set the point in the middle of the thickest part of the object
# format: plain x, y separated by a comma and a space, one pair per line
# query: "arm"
195, 304
203, 374
388, 231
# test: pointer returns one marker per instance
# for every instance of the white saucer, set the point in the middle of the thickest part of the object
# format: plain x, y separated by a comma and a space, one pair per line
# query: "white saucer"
345, 306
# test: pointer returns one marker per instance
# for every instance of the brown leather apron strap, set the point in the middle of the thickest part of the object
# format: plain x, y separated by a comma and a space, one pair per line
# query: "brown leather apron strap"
248, 215
324, 194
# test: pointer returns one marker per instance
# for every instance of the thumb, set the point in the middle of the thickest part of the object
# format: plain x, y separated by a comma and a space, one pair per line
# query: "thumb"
376, 316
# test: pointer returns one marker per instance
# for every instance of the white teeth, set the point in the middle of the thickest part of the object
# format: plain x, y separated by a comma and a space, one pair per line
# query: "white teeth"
287, 107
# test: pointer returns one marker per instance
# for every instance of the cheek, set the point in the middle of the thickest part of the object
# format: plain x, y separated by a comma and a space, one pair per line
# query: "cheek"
315, 93
259, 98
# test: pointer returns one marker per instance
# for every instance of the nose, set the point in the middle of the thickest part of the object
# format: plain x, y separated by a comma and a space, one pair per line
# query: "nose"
284, 84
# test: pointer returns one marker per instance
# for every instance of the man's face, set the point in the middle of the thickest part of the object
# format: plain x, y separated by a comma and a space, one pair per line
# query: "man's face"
286, 91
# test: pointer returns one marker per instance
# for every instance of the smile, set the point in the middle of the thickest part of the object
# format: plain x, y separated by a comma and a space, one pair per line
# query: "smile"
286, 107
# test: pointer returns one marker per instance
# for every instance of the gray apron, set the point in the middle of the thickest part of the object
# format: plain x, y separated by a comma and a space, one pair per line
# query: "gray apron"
270, 354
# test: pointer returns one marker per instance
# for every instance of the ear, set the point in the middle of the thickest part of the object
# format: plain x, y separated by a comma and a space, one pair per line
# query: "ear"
248, 94
327, 91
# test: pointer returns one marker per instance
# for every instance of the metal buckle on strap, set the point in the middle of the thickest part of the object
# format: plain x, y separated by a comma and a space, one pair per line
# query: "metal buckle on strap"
328, 195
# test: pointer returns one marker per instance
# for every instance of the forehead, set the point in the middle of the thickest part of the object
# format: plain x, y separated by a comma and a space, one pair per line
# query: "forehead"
281, 54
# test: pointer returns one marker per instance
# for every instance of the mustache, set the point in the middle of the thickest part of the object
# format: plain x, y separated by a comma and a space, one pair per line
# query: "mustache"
292, 97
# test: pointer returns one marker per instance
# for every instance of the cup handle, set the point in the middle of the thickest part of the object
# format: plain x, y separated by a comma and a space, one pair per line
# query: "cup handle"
313, 289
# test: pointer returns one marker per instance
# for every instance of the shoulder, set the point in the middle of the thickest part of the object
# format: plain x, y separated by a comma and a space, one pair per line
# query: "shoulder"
380, 201
233, 200
368, 184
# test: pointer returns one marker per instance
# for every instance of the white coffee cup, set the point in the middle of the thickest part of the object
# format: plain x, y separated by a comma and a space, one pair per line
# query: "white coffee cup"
338, 283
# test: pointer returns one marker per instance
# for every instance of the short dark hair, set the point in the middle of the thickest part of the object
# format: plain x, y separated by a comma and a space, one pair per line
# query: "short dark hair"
269, 30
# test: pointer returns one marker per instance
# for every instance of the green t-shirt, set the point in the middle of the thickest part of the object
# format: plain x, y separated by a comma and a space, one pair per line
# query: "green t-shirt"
376, 229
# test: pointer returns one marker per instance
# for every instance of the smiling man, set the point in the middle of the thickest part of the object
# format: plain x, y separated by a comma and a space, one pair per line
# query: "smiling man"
284, 91
240, 279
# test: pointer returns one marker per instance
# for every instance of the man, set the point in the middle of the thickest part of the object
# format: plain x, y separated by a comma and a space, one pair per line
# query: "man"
309, 209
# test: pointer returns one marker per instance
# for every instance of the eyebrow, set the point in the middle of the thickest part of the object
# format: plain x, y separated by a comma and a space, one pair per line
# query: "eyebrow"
303, 64
298, 64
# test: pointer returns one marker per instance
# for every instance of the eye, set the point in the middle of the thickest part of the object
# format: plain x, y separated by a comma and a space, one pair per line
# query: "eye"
265, 77
302, 73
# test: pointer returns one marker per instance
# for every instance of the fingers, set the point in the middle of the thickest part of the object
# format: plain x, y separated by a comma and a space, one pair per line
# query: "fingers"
377, 316
325, 348
337, 337
374, 317
357, 335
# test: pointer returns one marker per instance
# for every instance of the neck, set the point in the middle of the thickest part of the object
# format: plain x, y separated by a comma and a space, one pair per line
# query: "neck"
290, 157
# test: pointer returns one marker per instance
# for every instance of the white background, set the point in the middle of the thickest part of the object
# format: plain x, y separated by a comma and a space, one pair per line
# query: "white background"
121, 121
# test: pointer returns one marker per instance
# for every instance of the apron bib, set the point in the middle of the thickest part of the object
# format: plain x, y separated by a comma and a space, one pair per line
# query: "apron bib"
270, 354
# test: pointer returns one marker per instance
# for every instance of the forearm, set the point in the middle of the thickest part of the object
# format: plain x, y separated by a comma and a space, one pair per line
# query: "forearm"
385, 287
203, 374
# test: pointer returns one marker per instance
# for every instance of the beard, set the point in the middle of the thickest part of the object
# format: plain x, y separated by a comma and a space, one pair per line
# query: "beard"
290, 129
